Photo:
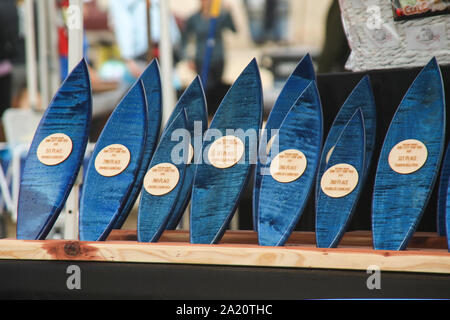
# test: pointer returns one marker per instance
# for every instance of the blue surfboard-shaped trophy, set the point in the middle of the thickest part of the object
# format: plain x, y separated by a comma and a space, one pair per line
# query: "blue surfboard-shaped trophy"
295, 159
151, 81
194, 103
300, 78
409, 161
341, 184
114, 166
442, 194
360, 98
229, 153
164, 180
55, 156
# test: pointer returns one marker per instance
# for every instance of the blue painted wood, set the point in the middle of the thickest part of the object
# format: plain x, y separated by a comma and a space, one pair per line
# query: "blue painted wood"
442, 194
154, 211
216, 192
300, 78
281, 204
151, 81
44, 189
399, 199
360, 98
194, 103
334, 214
103, 198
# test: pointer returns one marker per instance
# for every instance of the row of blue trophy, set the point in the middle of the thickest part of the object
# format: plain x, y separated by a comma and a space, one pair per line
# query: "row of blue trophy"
209, 165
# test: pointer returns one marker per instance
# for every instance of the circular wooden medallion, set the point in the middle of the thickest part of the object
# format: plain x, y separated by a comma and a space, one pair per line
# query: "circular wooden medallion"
288, 166
161, 179
339, 180
112, 160
226, 152
408, 156
54, 149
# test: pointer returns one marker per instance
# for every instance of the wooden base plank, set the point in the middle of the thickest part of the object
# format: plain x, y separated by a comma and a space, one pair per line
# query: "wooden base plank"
230, 254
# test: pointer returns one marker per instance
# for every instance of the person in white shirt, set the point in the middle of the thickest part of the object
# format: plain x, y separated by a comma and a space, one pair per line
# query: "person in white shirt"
129, 18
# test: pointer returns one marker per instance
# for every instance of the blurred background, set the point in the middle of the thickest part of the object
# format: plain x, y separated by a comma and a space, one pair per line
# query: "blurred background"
276, 32
34, 55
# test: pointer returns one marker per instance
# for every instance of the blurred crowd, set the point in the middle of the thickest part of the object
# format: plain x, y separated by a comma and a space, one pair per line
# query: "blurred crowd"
130, 38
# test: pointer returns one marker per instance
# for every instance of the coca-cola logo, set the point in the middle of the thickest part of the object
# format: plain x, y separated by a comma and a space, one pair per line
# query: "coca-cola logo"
420, 7
410, 9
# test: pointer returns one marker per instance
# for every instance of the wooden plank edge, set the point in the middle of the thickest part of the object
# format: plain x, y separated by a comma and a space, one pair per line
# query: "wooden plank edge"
436, 261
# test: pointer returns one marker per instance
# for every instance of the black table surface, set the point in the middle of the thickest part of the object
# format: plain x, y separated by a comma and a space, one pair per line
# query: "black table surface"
116, 280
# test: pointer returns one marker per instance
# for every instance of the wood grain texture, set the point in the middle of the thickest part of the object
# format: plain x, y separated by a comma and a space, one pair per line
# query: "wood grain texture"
334, 214
434, 261
44, 189
351, 239
151, 81
216, 192
281, 204
399, 199
360, 98
103, 198
154, 211
194, 103
300, 78
442, 194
